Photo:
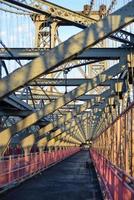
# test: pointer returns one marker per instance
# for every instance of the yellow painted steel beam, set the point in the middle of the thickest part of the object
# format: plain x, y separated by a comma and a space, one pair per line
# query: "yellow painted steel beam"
63, 143
66, 135
69, 115
68, 138
45, 139
51, 142
59, 136
69, 128
67, 14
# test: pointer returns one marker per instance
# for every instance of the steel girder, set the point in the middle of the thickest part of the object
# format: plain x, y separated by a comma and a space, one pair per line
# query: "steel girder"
52, 97
45, 137
29, 141
69, 137
94, 53
42, 140
70, 130
100, 107
96, 131
17, 103
70, 115
79, 110
68, 49
6, 134
121, 36
58, 134
124, 36
12, 112
32, 138
68, 82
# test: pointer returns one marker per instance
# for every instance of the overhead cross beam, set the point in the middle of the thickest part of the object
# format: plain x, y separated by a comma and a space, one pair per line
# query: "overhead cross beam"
52, 97
69, 82
93, 53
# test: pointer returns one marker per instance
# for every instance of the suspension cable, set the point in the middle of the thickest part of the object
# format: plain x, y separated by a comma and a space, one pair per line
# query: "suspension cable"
113, 2
13, 12
23, 12
91, 5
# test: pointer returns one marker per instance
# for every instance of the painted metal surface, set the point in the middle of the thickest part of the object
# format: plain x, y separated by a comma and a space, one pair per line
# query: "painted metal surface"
116, 142
118, 184
14, 169
94, 53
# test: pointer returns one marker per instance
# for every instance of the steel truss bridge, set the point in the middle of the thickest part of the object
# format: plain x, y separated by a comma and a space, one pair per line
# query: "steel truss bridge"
59, 97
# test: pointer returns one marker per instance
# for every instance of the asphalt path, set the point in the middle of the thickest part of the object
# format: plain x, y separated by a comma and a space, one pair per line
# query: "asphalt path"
71, 179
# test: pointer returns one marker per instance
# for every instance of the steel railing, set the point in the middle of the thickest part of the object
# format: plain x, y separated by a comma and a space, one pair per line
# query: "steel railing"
15, 169
118, 184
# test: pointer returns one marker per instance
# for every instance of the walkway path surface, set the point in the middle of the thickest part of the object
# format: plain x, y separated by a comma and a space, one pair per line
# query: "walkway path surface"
68, 180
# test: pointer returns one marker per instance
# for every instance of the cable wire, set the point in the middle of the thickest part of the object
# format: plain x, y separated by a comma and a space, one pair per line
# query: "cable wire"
23, 12
113, 2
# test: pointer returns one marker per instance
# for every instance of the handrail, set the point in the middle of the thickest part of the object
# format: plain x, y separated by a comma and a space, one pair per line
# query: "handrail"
119, 185
14, 170
117, 118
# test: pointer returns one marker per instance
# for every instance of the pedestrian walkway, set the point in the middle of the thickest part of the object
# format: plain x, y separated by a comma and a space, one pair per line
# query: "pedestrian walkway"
71, 179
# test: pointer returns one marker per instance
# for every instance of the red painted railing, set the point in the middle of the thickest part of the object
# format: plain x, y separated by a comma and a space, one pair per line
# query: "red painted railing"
14, 169
118, 184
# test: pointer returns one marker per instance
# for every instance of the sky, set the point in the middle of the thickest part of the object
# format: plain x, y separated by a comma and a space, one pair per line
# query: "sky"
78, 4
75, 5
